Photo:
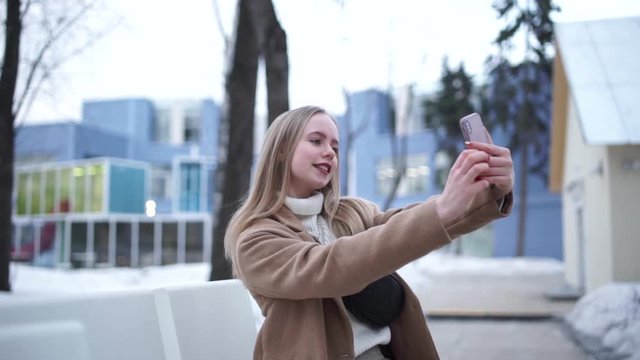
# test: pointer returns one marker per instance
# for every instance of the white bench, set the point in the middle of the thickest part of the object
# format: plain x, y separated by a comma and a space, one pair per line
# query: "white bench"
47, 340
213, 320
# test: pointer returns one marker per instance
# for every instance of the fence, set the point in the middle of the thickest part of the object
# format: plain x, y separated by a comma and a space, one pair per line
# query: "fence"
109, 240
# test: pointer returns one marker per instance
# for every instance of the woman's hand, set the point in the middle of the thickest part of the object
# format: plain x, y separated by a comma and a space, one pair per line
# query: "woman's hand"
465, 180
500, 171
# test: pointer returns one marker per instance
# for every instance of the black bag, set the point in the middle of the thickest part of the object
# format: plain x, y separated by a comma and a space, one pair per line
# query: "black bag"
379, 303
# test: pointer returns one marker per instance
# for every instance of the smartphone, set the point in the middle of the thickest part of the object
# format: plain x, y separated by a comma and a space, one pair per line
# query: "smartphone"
473, 129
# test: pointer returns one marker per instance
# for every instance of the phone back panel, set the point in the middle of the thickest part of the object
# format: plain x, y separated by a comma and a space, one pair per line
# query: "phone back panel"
473, 129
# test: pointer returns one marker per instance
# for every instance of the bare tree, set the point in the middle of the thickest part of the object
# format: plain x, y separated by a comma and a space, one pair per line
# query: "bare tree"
8, 79
352, 131
55, 33
258, 33
272, 43
399, 115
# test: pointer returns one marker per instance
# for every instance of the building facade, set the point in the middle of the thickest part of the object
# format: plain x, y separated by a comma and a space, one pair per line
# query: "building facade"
596, 149
369, 172
131, 184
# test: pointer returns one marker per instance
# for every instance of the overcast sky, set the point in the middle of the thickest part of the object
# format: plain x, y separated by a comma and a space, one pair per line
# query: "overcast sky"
174, 49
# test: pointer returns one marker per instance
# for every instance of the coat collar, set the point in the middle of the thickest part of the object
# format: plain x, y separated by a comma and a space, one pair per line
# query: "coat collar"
290, 220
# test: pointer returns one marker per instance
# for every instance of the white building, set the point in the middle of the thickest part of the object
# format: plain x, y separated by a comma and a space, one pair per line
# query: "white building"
596, 149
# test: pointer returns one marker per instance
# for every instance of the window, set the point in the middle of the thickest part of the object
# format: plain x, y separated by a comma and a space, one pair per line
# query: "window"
442, 163
162, 125
190, 186
160, 182
414, 180
96, 189
192, 125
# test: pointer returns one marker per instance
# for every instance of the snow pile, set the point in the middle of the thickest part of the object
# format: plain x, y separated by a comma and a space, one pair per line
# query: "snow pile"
606, 321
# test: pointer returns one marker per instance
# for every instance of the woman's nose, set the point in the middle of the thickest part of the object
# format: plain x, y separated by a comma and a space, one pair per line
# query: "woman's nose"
329, 152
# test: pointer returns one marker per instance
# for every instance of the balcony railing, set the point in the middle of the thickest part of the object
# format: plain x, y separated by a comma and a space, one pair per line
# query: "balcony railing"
111, 240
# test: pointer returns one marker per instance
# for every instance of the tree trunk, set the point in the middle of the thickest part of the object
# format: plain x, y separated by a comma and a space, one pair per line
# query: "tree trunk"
347, 140
276, 61
272, 44
257, 32
522, 208
399, 158
7, 118
234, 172
399, 145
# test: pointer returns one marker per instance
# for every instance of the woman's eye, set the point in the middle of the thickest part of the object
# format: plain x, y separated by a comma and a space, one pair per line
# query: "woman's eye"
315, 141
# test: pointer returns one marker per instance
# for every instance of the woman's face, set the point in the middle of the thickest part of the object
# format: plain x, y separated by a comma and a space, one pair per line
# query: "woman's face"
314, 157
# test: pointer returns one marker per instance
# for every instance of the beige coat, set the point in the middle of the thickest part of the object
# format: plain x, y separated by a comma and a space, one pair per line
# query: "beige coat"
298, 283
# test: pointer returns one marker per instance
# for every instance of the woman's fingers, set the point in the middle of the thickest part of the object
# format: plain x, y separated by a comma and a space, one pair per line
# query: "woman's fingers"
491, 149
500, 162
470, 158
500, 171
464, 181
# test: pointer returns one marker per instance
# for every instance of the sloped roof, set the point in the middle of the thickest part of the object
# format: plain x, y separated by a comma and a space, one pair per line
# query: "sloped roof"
602, 63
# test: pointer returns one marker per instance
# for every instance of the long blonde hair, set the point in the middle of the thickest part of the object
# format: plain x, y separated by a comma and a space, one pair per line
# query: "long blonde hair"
272, 177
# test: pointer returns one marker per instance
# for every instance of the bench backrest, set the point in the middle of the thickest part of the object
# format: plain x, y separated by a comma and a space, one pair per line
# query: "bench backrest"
212, 320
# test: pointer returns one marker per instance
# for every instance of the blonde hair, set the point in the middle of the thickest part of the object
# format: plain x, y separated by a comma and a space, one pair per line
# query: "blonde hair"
272, 177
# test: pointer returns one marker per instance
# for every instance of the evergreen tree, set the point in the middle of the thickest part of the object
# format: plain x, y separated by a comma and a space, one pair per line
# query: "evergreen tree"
519, 92
453, 100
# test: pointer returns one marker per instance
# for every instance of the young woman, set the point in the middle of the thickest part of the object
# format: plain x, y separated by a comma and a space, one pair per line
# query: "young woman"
322, 268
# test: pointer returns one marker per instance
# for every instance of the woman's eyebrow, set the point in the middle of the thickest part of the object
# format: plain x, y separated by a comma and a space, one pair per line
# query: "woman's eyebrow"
317, 132
323, 135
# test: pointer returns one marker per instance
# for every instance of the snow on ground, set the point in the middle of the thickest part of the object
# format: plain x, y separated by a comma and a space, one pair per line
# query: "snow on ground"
442, 263
34, 281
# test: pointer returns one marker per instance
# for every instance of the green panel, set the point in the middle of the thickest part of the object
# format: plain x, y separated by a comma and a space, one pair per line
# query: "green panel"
79, 172
49, 191
65, 188
97, 186
23, 181
36, 181
126, 189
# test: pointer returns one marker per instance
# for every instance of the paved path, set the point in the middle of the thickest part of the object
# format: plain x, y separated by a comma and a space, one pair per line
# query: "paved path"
504, 340
475, 316
493, 295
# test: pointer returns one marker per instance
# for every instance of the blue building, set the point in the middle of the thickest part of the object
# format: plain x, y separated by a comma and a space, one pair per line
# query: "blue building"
177, 139
130, 184
367, 170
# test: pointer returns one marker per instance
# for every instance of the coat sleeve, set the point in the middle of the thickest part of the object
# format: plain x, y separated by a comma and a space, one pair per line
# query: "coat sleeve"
481, 210
275, 261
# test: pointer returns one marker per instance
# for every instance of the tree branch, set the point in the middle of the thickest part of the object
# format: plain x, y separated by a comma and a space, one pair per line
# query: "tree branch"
223, 34
29, 92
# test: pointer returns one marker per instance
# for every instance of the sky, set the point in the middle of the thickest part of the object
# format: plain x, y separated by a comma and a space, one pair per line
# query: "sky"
175, 49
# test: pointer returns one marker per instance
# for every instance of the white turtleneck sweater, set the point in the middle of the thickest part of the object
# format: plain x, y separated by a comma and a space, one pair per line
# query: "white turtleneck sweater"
308, 212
